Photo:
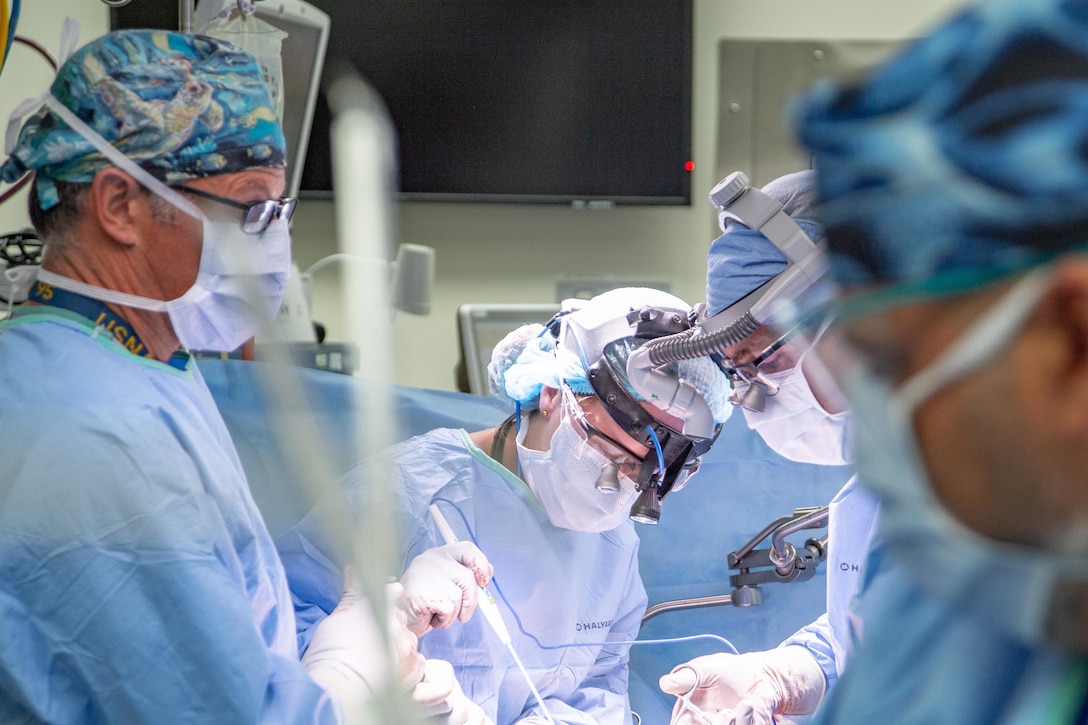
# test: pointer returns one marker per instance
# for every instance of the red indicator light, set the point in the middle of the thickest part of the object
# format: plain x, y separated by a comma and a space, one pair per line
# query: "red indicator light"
689, 166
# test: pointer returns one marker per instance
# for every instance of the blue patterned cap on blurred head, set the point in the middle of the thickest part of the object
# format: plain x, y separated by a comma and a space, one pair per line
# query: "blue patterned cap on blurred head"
182, 106
964, 157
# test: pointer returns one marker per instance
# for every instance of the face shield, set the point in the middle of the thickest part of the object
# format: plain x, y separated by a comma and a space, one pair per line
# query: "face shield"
654, 427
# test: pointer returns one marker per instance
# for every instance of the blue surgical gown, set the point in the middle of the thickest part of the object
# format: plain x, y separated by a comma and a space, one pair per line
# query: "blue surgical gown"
137, 580
853, 515
565, 586
923, 660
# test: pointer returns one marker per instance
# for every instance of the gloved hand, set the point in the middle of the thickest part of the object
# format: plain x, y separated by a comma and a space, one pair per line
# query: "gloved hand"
440, 586
754, 686
410, 662
442, 699
533, 720
346, 656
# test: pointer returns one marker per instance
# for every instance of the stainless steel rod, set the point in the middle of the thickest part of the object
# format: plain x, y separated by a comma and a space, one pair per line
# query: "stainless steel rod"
185, 16
690, 603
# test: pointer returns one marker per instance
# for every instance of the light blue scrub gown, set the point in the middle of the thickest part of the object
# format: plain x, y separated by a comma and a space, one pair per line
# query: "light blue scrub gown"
852, 519
137, 580
924, 660
566, 586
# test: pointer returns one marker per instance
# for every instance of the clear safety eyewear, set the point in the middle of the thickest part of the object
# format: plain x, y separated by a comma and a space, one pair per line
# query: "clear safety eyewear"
748, 370
258, 214
627, 461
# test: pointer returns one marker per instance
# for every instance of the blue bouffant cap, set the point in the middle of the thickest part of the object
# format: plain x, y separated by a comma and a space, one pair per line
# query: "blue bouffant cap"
182, 106
963, 157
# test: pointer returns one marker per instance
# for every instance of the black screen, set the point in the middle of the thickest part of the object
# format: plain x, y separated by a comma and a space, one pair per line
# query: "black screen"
521, 100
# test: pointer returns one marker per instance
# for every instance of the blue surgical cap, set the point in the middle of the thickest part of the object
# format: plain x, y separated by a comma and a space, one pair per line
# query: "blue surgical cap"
963, 157
742, 260
182, 106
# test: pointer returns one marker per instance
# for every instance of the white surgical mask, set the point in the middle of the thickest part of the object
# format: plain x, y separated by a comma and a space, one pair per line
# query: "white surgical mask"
795, 426
241, 279
564, 478
1032, 594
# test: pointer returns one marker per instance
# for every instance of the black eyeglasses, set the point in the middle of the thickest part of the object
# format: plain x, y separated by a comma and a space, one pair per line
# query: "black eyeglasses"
259, 214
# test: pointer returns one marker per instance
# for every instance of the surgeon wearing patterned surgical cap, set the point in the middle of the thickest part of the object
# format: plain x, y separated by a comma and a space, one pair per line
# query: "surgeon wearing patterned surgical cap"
548, 495
138, 582
954, 182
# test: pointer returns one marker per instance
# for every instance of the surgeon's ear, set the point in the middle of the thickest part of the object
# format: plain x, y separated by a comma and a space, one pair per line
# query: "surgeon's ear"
1062, 353
120, 206
550, 400
543, 421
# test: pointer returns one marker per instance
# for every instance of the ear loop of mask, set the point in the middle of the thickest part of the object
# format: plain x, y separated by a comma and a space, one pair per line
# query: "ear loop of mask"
981, 343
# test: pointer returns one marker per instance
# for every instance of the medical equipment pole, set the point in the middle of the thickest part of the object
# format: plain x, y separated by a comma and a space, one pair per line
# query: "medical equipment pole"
185, 16
364, 171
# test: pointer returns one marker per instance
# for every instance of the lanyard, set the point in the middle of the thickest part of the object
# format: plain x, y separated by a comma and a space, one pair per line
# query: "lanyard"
102, 317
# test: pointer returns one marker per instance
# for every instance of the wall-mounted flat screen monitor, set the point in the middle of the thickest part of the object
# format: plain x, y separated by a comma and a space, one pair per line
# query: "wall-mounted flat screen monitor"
551, 101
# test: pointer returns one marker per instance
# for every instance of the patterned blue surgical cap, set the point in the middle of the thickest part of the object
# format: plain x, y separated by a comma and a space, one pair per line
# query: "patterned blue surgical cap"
965, 156
181, 106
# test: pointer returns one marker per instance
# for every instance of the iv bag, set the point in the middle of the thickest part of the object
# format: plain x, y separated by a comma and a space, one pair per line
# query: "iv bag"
264, 41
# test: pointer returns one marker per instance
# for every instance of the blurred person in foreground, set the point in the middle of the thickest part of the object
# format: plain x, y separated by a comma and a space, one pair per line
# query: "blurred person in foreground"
954, 185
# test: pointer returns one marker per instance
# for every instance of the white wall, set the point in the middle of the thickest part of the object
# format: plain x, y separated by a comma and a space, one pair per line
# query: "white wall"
27, 74
515, 253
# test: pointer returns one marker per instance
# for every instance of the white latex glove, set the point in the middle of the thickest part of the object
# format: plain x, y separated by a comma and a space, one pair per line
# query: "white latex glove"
440, 586
410, 662
533, 720
442, 699
346, 655
751, 688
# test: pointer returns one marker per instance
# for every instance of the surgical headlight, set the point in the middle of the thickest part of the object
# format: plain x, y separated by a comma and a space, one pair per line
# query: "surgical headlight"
803, 284
674, 454
807, 261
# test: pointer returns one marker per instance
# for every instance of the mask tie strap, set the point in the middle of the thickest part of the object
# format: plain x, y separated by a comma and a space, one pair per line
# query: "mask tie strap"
122, 161
980, 343
11, 135
69, 39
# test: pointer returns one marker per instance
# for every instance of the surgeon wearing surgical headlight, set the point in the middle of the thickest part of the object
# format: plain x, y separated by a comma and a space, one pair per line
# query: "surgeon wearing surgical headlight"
549, 495
790, 399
